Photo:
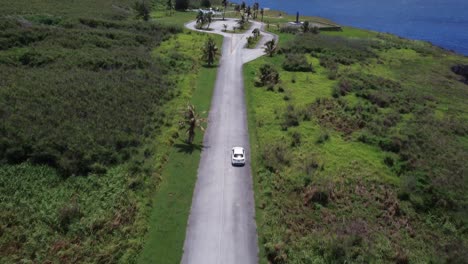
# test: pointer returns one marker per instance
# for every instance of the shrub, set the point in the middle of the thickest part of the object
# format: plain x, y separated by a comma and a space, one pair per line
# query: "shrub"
297, 63
316, 195
336, 114
310, 166
393, 144
205, 3
142, 9
250, 41
290, 118
296, 139
275, 156
181, 4
67, 214
461, 70
267, 75
389, 161
343, 87
289, 29
324, 136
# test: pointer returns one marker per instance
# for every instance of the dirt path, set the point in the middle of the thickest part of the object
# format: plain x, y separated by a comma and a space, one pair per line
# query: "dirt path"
221, 227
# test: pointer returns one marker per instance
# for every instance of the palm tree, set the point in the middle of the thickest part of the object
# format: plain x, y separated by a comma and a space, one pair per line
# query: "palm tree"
315, 30
225, 3
256, 33
241, 22
237, 8
209, 18
200, 17
143, 10
210, 51
256, 6
191, 121
270, 47
169, 6
248, 11
305, 27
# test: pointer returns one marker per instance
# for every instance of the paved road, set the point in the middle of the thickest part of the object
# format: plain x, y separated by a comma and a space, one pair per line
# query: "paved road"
221, 227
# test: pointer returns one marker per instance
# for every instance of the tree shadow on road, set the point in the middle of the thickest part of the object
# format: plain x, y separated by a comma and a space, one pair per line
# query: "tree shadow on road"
210, 66
187, 148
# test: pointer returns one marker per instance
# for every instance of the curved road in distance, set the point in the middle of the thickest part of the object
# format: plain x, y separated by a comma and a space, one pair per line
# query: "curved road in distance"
221, 227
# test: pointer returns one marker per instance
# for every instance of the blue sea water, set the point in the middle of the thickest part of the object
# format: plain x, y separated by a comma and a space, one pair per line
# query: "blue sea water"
441, 22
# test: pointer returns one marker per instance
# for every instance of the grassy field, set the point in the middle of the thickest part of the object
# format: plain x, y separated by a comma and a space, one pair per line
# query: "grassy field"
275, 17
361, 158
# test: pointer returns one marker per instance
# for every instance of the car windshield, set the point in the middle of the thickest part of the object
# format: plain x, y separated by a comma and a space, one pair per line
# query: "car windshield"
238, 155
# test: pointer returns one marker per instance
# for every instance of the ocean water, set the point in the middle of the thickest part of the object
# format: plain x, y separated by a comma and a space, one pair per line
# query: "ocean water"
441, 22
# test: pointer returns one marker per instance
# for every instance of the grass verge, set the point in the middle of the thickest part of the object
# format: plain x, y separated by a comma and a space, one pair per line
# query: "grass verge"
172, 202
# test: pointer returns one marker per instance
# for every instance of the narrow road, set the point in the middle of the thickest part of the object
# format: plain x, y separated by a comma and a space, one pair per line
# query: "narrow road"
221, 227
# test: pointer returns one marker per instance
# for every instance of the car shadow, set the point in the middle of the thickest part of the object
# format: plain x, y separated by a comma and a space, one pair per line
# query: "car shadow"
187, 148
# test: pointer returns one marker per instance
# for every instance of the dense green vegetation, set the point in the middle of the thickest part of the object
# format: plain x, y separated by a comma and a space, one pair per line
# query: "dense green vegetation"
78, 94
362, 159
84, 93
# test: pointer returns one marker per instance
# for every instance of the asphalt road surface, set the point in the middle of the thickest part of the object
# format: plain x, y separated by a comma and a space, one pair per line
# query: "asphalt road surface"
221, 227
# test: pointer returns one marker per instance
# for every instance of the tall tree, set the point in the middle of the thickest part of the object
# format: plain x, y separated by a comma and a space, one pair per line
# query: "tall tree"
248, 12
192, 121
200, 17
262, 12
225, 3
237, 8
208, 19
210, 52
206, 3
181, 4
270, 47
305, 27
169, 6
143, 10
256, 33
242, 7
256, 6
315, 30
241, 22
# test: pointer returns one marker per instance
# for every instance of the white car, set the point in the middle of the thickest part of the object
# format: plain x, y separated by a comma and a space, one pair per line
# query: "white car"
238, 156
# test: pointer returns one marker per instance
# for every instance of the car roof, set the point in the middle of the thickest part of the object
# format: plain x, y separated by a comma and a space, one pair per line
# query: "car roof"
238, 150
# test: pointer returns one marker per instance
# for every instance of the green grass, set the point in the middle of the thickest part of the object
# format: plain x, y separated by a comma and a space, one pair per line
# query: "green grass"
273, 17
36, 226
361, 179
174, 197
352, 33
172, 202
176, 18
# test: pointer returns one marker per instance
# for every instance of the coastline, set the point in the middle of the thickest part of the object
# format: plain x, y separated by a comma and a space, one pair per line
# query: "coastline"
446, 32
